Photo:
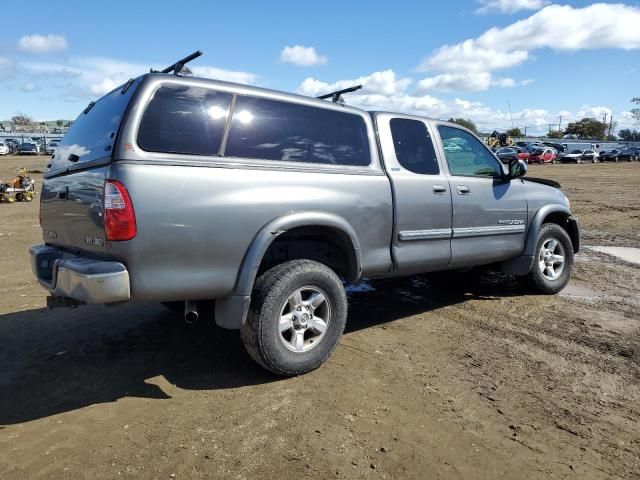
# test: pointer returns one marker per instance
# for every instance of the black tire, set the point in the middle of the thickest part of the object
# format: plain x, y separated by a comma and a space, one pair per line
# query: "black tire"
260, 333
535, 279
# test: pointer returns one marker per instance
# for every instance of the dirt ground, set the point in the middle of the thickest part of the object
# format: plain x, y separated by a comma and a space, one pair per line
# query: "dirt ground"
433, 379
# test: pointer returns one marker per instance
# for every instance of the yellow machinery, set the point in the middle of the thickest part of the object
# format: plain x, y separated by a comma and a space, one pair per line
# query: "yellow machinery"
497, 140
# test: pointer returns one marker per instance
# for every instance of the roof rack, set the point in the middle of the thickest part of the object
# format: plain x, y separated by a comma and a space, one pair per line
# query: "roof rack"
177, 67
336, 97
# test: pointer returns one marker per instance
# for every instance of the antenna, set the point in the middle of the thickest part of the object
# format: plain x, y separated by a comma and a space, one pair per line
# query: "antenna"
177, 67
336, 97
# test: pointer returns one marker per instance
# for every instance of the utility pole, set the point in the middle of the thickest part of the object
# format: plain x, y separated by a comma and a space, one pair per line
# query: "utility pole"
560, 124
610, 125
525, 131
605, 119
510, 115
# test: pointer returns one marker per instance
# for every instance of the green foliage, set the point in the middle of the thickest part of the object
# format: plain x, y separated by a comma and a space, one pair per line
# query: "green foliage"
466, 123
21, 119
588, 128
629, 135
636, 111
515, 133
555, 134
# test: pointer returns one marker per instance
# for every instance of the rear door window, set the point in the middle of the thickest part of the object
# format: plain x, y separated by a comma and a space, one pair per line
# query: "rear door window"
466, 155
413, 146
92, 134
184, 119
282, 131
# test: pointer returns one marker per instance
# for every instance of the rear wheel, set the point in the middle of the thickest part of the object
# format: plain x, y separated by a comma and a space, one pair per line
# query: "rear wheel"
297, 316
578, 160
28, 197
553, 260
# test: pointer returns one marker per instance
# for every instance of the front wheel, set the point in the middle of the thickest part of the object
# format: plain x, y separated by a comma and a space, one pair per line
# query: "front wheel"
553, 260
297, 315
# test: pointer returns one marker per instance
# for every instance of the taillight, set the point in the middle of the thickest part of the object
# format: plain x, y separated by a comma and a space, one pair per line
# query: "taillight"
119, 217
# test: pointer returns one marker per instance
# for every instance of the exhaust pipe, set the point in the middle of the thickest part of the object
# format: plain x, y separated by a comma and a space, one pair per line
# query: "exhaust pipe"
190, 312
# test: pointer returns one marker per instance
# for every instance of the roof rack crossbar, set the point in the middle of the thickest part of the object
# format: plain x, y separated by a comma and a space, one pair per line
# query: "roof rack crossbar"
335, 96
176, 67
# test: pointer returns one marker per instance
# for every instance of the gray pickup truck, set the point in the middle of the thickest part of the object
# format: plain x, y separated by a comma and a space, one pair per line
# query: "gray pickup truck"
257, 207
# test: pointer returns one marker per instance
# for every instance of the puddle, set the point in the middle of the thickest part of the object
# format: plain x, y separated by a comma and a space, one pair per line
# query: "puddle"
579, 293
363, 286
628, 254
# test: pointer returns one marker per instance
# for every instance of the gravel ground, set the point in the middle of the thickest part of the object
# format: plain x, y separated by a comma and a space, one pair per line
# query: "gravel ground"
434, 378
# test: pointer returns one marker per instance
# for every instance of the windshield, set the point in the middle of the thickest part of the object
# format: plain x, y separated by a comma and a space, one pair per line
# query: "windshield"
92, 134
27, 145
576, 151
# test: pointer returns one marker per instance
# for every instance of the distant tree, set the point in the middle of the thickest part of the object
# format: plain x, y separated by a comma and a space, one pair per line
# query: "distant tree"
21, 119
515, 132
466, 123
555, 134
636, 111
59, 123
629, 135
588, 128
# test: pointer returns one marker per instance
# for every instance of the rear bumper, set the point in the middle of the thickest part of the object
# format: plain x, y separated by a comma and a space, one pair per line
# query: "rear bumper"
83, 279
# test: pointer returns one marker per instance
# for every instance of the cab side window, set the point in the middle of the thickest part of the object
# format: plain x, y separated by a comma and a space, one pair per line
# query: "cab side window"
466, 155
413, 146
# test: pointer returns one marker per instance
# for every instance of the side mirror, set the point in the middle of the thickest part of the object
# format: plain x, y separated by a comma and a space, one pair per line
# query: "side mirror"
517, 168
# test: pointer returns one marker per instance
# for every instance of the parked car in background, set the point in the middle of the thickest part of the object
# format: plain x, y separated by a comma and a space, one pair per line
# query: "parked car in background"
4, 149
629, 154
543, 155
12, 143
610, 156
579, 156
51, 147
506, 154
28, 148
558, 147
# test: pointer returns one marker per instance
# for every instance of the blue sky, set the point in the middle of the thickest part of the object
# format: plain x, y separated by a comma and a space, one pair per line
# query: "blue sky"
441, 59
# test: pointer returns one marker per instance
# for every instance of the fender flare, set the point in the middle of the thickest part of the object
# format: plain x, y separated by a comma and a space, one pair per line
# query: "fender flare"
521, 264
232, 311
536, 225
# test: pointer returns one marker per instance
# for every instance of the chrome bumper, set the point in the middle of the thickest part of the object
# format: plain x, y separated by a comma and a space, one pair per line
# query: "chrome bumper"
82, 279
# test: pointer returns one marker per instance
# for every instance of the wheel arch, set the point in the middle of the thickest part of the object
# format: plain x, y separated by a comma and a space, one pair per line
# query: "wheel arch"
231, 311
554, 213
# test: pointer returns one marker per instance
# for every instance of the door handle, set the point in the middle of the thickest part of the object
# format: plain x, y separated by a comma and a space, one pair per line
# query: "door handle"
463, 190
439, 189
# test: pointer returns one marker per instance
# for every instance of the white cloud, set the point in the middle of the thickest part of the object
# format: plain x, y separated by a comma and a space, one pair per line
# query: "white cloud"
383, 82
386, 91
458, 82
558, 27
7, 68
94, 76
42, 43
302, 56
455, 82
226, 75
510, 6
28, 87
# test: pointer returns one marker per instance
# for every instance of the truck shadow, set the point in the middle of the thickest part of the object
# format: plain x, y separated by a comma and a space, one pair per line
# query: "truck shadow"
61, 360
